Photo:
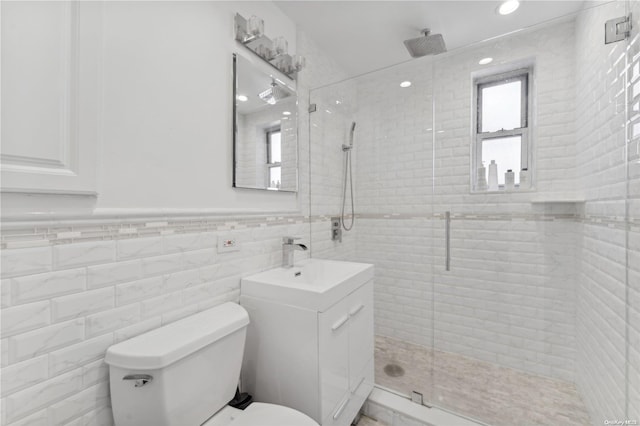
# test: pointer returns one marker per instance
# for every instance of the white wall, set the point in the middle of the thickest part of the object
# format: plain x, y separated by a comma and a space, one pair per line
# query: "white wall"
168, 93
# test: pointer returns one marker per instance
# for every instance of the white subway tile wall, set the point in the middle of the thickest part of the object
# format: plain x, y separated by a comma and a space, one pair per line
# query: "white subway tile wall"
602, 274
330, 129
509, 296
58, 324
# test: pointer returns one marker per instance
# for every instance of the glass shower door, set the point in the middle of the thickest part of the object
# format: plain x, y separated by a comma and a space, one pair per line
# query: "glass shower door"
392, 158
633, 216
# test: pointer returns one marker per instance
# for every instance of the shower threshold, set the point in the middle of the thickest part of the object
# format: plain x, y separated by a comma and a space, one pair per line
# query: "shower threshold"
389, 408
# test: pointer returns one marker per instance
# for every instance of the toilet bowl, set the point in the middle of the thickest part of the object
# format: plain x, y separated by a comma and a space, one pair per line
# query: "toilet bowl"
185, 373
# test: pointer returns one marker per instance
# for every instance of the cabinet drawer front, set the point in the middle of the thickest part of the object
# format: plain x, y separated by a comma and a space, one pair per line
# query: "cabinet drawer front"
361, 340
334, 356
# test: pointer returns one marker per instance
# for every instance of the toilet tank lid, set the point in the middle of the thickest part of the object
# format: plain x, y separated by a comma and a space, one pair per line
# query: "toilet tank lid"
165, 345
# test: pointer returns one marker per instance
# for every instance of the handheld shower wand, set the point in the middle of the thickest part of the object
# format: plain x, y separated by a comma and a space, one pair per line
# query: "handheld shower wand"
350, 146
347, 168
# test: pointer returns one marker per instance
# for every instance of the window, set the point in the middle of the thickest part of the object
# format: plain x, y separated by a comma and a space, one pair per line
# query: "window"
501, 129
274, 157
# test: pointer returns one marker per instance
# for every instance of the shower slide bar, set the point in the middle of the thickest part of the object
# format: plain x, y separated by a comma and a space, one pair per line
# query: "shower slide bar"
447, 236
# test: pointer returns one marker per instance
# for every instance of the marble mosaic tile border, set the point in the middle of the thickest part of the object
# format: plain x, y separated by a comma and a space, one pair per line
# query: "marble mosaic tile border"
474, 216
48, 232
617, 222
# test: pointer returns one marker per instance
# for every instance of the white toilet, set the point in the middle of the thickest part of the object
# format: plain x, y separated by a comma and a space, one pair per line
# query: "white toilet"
185, 373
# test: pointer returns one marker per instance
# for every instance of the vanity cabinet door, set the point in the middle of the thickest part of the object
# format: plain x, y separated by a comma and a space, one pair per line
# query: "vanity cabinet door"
334, 356
360, 305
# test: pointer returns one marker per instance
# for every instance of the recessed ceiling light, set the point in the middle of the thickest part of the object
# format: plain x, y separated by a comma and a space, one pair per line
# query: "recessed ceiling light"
485, 61
405, 84
508, 7
286, 113
242, 98
338, 102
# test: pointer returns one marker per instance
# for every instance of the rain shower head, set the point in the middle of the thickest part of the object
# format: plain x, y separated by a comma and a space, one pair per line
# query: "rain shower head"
426, 45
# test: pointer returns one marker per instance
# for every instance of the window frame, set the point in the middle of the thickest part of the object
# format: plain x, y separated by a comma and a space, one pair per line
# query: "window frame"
525, 75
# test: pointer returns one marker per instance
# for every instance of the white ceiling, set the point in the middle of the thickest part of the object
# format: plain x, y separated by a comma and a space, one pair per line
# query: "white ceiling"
363, 36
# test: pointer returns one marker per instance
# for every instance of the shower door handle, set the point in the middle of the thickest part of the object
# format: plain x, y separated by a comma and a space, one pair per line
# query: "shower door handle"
447, 237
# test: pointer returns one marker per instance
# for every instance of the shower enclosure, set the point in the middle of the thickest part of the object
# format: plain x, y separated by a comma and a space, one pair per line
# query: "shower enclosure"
516, 306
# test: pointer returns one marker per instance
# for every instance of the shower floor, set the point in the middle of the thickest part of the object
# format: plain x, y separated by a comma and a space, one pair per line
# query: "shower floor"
477, 389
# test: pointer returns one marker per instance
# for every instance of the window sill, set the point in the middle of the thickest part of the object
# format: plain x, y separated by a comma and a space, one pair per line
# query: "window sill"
517, 190
559, 198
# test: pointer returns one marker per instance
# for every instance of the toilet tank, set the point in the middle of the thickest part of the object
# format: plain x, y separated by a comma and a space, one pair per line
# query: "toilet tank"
179, 374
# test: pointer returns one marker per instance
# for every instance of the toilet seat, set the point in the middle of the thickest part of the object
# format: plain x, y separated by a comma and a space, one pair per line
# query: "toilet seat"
260, 414
263, 414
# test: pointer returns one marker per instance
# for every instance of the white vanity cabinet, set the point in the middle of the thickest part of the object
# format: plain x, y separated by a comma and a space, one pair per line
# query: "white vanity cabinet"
316, 358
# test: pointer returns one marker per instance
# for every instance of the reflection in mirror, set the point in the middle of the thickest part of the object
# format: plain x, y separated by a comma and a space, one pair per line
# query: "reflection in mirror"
265, 134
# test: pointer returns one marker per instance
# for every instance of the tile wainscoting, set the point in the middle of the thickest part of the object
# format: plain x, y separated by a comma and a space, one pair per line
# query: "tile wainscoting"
72, 288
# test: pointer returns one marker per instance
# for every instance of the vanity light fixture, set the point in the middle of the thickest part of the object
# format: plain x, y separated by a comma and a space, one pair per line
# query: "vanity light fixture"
508, 7
405, 84
242, 98
250, 33
485, 61
286, 113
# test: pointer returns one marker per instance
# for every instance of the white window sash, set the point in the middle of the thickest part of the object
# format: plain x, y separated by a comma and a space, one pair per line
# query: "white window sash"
525, 75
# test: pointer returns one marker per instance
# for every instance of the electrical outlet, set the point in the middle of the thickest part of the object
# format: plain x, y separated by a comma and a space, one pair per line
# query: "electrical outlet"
227, 244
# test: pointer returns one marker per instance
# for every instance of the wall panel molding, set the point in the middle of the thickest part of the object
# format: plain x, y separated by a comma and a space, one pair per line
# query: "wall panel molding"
50, 96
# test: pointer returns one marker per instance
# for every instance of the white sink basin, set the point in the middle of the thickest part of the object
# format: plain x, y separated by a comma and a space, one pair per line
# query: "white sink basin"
315, 284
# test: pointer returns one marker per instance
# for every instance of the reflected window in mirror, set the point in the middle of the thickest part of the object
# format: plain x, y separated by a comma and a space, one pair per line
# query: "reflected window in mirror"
274, 157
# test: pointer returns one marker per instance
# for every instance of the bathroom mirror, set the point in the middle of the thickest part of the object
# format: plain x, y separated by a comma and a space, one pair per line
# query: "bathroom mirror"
265, 136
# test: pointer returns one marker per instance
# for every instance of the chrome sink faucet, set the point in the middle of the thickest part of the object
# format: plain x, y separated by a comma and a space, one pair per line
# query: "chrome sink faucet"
288, 248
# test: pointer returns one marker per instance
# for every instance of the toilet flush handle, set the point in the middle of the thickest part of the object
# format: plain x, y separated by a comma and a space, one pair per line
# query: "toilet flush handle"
141, 379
